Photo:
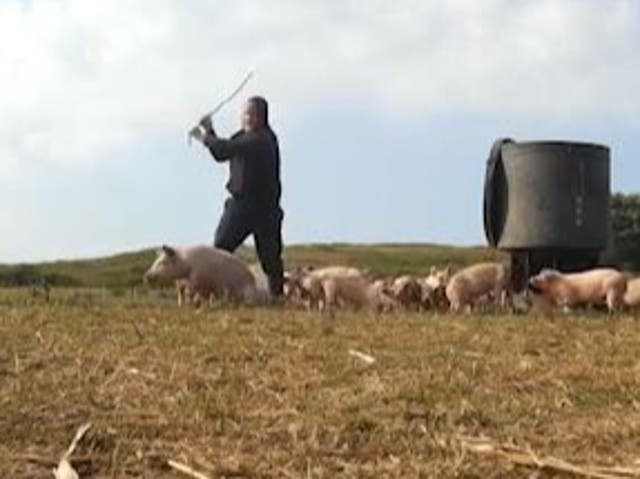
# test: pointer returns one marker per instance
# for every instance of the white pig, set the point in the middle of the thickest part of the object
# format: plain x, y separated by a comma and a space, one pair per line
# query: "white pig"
205, 271
356, 291
467, 286
596, 286
313, 284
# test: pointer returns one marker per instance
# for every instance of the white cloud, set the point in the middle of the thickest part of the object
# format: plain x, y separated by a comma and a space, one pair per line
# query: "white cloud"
82, 79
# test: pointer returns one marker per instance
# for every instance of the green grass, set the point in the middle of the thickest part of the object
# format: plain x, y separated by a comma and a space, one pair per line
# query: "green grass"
260, 393
390, 258
125, 270
120, 270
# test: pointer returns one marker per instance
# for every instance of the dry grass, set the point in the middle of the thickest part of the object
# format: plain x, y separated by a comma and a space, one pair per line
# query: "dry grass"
275, 393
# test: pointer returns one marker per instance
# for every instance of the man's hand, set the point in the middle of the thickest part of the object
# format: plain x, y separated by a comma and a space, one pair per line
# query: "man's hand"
197, 133
207, 124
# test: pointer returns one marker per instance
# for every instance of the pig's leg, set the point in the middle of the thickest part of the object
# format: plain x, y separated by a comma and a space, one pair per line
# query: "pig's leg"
310, 299
503, 299
188, 295
319, 303
614, 299
501, 296
330, 291
378, 304
197, 301
455, 306
375, 303
317, 300
388, 303
180, 289
616, 291
565, 305
309, 302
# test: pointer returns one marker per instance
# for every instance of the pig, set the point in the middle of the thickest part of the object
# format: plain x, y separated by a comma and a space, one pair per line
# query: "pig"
355, 291
290, 287
326, 287
204, 271
438, 279
434, 288
592, 287
427, 294
467, 286
293, 291
600, 286
632, 296
312, 283
379, 297
407, 291
383, 285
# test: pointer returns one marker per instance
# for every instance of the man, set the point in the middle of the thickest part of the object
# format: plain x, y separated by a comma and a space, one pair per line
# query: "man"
254, 185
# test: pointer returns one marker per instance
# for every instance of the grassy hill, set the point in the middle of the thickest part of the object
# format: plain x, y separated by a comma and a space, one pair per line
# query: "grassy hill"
123, 270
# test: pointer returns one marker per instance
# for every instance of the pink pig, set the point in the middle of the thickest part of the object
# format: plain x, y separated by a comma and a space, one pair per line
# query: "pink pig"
204, 271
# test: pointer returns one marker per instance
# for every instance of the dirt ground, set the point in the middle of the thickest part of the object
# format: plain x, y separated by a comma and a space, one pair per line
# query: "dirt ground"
248, 393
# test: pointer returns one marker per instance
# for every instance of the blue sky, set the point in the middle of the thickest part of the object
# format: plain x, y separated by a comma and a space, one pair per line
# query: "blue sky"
385, 112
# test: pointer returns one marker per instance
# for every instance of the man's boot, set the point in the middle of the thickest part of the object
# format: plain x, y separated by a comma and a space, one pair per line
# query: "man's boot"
276, 288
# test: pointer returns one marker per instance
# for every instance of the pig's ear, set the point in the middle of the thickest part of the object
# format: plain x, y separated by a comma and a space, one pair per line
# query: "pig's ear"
169, 251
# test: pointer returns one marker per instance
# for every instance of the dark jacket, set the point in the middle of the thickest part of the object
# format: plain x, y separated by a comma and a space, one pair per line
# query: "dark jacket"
254, 165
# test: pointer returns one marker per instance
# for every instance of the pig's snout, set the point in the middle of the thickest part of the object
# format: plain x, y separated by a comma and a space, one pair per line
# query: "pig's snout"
533, 286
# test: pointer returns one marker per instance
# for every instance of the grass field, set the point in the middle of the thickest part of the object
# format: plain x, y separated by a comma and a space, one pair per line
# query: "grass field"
125, 270
271, 393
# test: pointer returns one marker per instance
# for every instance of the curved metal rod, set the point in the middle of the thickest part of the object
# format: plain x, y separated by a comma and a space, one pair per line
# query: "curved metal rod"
220, 105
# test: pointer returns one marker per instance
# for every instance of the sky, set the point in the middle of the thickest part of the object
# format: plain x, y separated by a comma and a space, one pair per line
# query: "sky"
385, 112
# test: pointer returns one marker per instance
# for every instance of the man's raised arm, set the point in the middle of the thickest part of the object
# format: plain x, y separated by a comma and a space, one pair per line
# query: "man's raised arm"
223, 149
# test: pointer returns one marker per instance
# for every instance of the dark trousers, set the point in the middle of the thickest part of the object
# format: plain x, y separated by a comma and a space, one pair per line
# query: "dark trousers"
239, 220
